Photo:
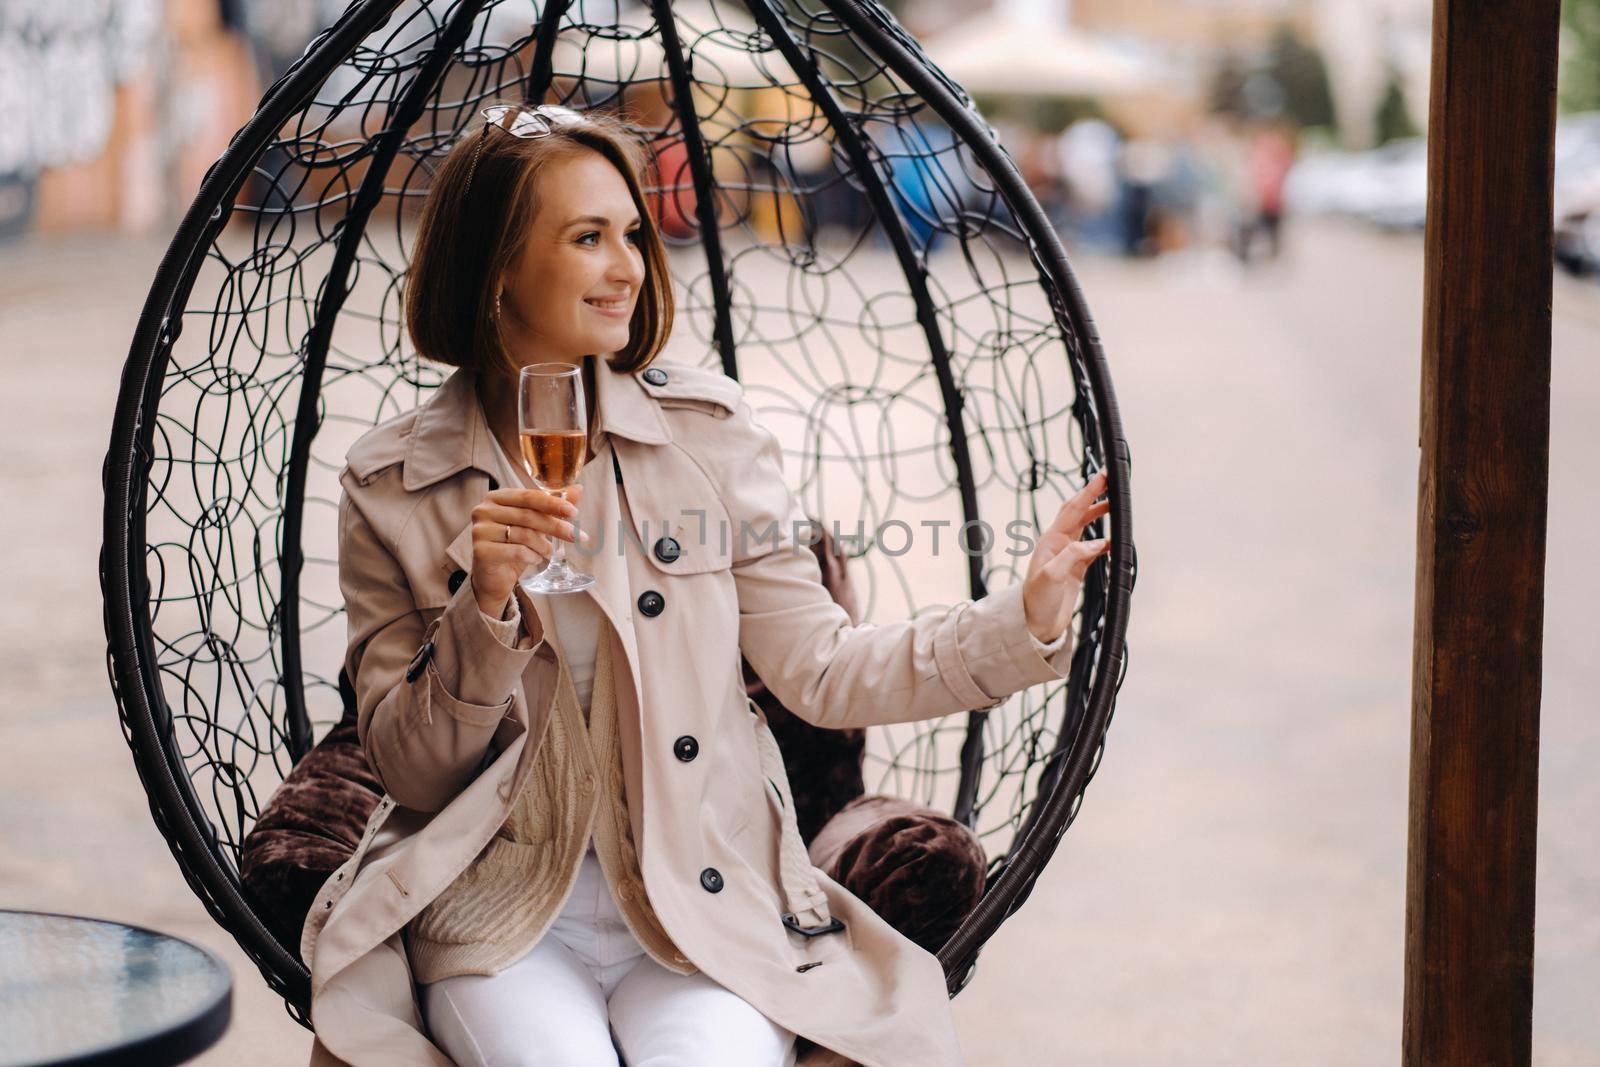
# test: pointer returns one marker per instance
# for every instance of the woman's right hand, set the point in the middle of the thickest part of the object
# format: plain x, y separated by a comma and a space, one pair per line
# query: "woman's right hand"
534, 517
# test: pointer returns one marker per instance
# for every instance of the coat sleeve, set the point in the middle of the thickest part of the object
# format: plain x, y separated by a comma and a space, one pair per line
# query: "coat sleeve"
425, 720
835, 675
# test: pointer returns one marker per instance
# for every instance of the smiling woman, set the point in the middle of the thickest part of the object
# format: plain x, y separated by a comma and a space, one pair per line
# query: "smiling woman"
534, 247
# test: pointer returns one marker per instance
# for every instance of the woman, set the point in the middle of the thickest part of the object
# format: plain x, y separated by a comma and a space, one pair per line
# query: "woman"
587, 846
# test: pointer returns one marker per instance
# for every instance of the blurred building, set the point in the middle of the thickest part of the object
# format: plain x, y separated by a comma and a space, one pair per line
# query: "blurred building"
1363, 44
1195, 26
111, 111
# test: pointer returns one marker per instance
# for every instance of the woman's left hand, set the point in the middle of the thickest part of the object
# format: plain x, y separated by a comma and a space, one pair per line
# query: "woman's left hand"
1059, 560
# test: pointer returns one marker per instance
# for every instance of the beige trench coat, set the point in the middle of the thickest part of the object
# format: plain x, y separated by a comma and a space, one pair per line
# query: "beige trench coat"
454, 743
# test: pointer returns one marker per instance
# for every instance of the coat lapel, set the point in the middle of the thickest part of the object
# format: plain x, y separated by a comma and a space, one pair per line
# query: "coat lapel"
451, 433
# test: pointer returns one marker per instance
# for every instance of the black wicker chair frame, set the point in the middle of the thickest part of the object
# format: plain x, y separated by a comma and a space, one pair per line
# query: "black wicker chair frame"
218, 447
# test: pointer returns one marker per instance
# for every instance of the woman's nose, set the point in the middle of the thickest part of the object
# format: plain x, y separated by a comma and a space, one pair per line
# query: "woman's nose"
627, 266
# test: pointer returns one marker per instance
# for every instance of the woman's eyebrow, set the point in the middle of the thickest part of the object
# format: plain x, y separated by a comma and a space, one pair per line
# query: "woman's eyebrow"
597, 220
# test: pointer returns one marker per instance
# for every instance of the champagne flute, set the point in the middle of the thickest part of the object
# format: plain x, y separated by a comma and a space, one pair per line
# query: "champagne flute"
552, 423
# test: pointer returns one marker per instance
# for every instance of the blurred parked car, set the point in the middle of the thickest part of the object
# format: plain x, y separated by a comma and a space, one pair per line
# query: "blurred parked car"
1577, 241
1387, 186
1577, 193
1577, 163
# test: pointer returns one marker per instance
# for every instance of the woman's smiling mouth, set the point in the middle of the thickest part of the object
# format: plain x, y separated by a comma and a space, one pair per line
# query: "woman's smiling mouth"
617, 308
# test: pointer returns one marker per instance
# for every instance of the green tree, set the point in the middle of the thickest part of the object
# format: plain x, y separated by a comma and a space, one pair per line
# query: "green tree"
1393, 121
1578, 80
1287, 77
1299, 69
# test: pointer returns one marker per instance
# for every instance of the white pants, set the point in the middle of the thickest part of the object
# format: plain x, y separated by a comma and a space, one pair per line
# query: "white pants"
588, 992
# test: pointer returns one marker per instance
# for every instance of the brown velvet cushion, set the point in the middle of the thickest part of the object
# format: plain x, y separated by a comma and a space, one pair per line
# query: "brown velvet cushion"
920, 870
310, 826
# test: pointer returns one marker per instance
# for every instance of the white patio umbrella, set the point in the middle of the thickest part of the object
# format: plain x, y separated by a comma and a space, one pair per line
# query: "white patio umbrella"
1013, 55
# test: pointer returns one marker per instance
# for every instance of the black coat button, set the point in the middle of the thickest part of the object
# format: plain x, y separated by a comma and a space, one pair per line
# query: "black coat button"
667, 549
655, 376
686, 748
711, 879
456, 578
419, 661
652, 603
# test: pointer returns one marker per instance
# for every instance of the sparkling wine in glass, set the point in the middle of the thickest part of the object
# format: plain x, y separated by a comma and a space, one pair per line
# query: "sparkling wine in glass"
552, 423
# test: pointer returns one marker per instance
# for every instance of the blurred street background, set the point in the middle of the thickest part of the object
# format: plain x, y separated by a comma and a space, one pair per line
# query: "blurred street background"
1241, 187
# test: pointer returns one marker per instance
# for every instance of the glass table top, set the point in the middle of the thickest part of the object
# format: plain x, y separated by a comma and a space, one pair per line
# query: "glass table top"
74, 987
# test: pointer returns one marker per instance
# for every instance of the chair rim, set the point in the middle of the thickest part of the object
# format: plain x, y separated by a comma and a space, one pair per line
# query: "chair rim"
131, 661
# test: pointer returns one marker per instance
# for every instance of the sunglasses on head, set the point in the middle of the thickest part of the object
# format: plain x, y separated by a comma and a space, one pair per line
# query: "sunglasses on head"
529, 122
525, 122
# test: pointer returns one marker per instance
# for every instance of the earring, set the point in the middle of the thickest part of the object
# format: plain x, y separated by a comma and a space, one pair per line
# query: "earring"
497, 293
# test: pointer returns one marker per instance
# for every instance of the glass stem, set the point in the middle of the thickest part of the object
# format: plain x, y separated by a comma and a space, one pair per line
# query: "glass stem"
558, 556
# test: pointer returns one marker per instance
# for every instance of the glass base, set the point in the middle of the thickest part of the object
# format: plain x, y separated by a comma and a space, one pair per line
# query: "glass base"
557, 577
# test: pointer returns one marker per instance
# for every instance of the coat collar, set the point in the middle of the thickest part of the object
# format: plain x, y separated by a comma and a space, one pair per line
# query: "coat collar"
451, 433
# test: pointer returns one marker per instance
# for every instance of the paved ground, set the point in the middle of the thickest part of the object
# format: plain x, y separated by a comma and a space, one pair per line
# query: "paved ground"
1233, 890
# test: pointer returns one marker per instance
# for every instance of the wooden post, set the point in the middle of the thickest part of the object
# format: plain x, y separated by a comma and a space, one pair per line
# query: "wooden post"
1485, 441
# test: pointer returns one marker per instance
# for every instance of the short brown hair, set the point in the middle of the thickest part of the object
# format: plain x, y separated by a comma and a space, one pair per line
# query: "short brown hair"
472, 228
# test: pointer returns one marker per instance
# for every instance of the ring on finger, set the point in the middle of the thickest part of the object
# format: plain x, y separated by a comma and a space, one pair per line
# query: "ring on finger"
508, 533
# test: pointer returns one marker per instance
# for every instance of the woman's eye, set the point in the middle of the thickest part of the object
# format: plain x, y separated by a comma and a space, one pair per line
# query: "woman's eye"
632, 235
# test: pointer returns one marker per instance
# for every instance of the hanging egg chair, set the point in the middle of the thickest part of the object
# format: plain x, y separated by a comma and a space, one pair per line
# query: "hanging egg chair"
848, 239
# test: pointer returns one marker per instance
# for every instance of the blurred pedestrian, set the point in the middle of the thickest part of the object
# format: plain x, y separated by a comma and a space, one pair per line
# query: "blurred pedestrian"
1271, 155
1143, 164
1086, 160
